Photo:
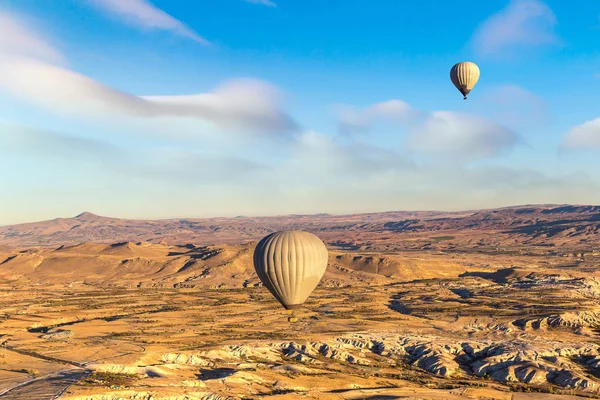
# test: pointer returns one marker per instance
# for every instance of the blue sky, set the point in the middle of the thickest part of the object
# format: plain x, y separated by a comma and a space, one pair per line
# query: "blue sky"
173, 108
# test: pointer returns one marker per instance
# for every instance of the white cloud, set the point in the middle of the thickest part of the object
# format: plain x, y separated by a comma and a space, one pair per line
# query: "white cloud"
249, 104
523, 23
18, 39
584, 136
263, 2
353, 120
393, 109
460, 135
63, 90
239, 104
144, 14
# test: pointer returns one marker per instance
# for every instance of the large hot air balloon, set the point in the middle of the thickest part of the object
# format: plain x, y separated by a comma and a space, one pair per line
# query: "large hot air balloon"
290, 264
464, 76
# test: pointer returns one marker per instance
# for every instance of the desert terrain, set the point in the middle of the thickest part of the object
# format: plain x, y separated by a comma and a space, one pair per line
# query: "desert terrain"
489, 304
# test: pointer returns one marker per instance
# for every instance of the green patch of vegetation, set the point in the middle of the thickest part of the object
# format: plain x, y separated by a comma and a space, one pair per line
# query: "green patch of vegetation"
261, 336
223, 301
109, 379
442, 238
284, 391
29, 371
339, 315
233, 326
116, 335
144, 321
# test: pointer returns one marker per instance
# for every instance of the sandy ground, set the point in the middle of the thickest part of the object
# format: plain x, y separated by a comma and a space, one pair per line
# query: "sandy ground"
507, 333
157, 321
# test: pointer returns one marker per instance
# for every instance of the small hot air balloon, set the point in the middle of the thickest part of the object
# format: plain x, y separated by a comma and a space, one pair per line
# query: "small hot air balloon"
290, 264
464, 76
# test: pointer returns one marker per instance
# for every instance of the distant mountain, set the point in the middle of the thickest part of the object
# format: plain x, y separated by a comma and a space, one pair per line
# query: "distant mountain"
87, 227
535, 226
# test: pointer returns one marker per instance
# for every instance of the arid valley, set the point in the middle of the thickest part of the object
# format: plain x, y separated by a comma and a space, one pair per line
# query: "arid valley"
494, 304
329, 200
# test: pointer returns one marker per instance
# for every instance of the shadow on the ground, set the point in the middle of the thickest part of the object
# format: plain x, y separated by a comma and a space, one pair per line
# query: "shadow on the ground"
217, 373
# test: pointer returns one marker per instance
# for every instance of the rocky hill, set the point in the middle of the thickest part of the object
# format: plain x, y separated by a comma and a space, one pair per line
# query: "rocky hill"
564, 227
144, 264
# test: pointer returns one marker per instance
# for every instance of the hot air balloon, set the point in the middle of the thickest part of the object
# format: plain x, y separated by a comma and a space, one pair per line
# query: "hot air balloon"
464, 76
290, 264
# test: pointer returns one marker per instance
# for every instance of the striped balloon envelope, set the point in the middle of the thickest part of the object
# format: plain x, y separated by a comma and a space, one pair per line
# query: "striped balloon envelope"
464, 76
290, 264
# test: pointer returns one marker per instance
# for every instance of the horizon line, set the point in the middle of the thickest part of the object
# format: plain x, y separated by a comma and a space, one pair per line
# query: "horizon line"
472, 210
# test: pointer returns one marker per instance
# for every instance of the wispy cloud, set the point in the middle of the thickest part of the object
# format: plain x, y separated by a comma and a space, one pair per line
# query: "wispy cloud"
193, 167
239, 104
245, 104
584, 136
324, 174
37, 142
315, 154
144, 14
19, 39
170, 164
263, 2
456, 135
462, 136
522, 24
353, 120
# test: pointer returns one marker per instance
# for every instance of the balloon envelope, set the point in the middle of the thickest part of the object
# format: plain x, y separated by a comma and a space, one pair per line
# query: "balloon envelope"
464, 76
290, 264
